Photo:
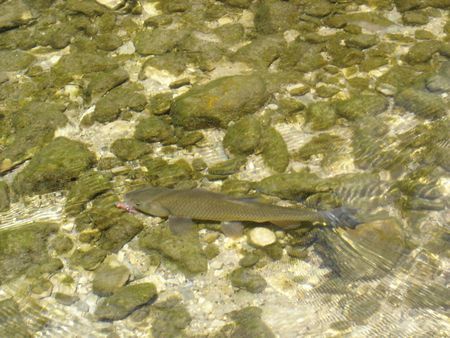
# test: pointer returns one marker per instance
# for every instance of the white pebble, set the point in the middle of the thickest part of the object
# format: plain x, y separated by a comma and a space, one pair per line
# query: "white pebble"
261, 237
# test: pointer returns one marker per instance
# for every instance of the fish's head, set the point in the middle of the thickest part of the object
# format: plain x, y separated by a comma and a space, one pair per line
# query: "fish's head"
146, 201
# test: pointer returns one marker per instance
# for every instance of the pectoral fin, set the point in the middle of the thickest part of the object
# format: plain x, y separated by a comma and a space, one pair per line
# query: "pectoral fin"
180, 225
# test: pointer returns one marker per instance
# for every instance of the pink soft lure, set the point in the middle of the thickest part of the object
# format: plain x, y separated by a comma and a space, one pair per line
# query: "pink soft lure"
126, 207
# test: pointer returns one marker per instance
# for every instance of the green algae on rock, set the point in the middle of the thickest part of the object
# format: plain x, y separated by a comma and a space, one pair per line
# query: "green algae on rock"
422, 103
4, 196
170, 317
11, 61
34, 125
102, 82
219, 102
159, 104
53, 167
88, 259
128, 149
289, 186
124, 301
61, 244
24, 249
321, 115
274, 150
184, 250
272, 17
261, 52
248, 280
358, 106
108, 279
126, 96
422, 51
157, 41
227, 167
243, 137
89, 185
14, 14
247, 323
154, 129
160, 173
322, 144
12, 323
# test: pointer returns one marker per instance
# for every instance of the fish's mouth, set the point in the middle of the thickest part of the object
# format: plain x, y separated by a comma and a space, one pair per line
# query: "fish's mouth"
127, 207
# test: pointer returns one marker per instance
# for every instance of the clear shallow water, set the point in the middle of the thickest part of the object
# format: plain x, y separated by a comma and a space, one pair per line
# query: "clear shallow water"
78, 77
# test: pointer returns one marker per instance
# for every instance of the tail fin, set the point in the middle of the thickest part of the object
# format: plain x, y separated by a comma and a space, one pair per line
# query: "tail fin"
343, 216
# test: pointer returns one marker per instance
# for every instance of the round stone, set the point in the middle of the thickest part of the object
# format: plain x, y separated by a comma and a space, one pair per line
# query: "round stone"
261, 237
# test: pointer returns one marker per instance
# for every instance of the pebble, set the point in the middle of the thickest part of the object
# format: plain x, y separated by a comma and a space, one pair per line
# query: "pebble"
261, 237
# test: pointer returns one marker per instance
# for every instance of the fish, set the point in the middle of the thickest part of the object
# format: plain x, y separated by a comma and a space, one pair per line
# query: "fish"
181, 206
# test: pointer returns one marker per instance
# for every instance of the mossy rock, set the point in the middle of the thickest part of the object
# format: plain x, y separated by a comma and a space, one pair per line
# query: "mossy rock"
272, 17
88, 259
53, 167
358, 106
219, 102
170, 318
160, 103
289, 186
4, 196
102, 82
274, 150
108, 279
184, 250
128, 149
13, 61
422, 103
160, 173
12, 323
108, 41
123, 230
118, 99
227, 167
61, 244
321, 115
248, 280
396, 79
238, 3
415, 18
361, 41
323, 144
33, 126
89, 185
154, 129
243, 137
81, 63
261, 52
247, 322
14, 14
24, 248
124, 301
422, 51
86, 7
157, 41
173, 62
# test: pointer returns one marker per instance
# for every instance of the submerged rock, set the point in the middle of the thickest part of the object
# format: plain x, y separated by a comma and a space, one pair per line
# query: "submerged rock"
124, 301
88, 186
243, 137
421, 103
261, 237
248, 280
128, 149
12, 323
102, 82
272, 17
108, 279
23, 249
4, 196
219, 102
12, 61
184, 250
154, 129
274, 150
88, 259
160, 173
261, 52
170, 317
27, 129
321, 115
53, 167
292, 186
14, 14
157, 41
247, 323
358, 106
126, 96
